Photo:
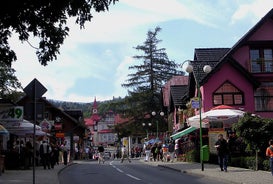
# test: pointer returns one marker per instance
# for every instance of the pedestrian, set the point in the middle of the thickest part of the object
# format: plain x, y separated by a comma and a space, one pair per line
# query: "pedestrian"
222, 149
101, 154
64, 149
165, 152
44, 154
124, 154
176, 149
269, 153
171, 150
159, 152
147, 150
154, 151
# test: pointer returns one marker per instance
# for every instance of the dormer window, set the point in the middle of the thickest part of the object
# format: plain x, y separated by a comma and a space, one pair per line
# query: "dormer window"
261, 60
228, 94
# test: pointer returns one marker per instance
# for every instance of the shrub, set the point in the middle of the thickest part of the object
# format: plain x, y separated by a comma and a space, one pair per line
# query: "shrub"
266, 165
192, 156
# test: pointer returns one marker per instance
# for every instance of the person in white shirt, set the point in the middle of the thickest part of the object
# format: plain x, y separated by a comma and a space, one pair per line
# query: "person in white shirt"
124, 154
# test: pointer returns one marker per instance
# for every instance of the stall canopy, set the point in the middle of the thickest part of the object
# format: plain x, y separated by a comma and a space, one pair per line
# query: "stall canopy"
183, 132
3, 131
23, 128
223, 113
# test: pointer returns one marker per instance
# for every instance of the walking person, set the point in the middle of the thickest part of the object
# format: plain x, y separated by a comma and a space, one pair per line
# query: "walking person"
269, 153
147, 149
65, 152
154, 151
223, 152
101, 154
44, 154
124, 154
171, 150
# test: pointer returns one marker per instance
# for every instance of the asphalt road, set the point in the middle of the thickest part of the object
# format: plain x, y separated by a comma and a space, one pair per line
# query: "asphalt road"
112, 171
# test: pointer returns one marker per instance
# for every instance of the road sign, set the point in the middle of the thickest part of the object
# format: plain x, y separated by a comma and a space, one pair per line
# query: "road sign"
195, 103
35, 89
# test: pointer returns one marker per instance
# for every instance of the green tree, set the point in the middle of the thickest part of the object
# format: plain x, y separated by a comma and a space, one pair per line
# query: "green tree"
9, 83
255, 132
45, 20
147, 79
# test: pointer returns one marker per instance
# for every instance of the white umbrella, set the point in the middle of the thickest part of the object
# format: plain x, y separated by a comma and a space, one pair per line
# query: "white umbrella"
22, 128
223, 113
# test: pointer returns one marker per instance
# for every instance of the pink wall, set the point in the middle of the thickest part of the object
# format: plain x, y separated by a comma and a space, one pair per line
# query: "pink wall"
228, 73
264, 32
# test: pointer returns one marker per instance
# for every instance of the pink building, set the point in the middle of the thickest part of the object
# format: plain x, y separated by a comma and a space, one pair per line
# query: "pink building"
241, 76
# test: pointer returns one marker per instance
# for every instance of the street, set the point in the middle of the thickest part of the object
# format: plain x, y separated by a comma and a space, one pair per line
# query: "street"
112, 171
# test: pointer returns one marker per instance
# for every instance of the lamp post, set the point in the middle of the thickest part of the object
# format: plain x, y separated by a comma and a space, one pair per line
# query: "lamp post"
206, 69
149, 124
154, 114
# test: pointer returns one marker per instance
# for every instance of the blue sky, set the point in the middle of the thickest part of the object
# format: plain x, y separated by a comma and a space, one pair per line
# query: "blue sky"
94, 62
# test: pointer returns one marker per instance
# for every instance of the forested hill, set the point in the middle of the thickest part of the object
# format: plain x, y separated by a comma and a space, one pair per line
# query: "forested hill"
103, 106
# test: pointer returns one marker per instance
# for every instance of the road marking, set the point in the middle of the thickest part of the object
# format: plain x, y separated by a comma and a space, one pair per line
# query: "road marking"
119, 170
131, 176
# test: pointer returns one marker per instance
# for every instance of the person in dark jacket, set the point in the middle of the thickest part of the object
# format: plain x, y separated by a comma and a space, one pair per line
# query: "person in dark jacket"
223, 152
45, 154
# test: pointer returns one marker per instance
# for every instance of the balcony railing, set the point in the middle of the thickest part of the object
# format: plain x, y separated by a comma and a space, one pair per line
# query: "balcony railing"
261, 66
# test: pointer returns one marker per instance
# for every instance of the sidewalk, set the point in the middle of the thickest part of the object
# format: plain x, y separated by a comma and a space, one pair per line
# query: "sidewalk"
42, 176
234, 174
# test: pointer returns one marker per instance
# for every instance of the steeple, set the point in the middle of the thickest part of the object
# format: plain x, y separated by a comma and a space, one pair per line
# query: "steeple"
95, 107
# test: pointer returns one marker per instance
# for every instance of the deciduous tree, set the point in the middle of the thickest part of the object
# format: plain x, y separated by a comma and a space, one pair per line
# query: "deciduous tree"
45, 20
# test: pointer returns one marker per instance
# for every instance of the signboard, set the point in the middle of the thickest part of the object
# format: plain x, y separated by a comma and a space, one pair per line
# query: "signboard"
12, 113
45, 125
35, 89
59, 135
195, 104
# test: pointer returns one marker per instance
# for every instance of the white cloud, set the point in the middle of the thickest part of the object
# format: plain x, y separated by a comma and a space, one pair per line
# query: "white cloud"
252, 11
125, 24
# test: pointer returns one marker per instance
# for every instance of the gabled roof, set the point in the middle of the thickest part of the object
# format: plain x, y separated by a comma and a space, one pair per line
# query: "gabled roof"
244, 39
216, 54
177, 93
210, 54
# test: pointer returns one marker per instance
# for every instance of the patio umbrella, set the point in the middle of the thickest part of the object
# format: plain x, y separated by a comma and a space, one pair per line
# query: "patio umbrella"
152, 141
3, 131
22, 128
222, 113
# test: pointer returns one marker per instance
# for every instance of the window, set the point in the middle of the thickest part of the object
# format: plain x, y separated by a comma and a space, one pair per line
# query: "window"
264, 97
228, 94
261, 60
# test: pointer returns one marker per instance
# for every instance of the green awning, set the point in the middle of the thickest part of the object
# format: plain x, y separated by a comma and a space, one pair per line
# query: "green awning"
183, 132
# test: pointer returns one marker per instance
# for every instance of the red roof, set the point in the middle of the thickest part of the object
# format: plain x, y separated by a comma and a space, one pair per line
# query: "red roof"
89, 122
120, 120
105, 131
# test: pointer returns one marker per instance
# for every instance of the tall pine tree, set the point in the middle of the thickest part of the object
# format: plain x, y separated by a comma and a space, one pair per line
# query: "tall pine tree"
148, 78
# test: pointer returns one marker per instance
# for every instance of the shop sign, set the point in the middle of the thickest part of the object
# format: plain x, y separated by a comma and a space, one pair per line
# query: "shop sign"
12, 113
59, 135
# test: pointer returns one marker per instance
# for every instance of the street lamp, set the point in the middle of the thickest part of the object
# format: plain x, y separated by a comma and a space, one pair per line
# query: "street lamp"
206, 69
149, 124
154, 114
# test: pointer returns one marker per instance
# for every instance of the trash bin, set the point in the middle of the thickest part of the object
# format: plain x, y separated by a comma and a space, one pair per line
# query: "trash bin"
205, 153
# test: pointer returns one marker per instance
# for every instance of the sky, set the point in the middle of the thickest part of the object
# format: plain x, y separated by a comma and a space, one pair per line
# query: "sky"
93, 62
